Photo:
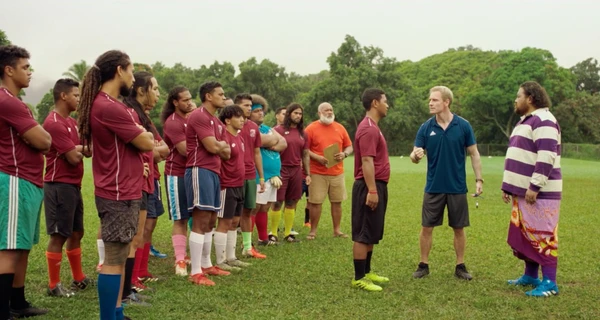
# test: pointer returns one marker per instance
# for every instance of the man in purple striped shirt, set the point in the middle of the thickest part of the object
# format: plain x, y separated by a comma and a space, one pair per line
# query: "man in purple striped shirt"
532, 178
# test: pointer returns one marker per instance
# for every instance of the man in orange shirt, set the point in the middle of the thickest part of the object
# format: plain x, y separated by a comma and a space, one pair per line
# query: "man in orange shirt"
327, 178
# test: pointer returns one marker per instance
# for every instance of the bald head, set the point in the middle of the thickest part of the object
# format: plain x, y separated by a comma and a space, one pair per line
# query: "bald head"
326, 115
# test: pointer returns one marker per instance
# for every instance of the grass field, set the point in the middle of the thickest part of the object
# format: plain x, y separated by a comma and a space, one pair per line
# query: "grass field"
311, 279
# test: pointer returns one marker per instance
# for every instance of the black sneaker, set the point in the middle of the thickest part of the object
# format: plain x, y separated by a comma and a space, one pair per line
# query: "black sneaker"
83, 284
290, 238
29, 311
267, 243
462, 273
273, 238
422, 270
60, 291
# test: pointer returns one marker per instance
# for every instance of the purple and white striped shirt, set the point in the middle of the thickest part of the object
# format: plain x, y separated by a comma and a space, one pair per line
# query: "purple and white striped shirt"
533, 157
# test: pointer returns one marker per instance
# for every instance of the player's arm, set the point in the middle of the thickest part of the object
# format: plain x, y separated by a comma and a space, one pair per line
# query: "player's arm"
417, 154
38, 138
161, 151
220, 148
74, 156
181, 148
281, 143
144, 141
268, 140
368, 169
258, 163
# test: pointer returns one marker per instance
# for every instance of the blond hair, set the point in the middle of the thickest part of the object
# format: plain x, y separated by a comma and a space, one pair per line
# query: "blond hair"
445, 91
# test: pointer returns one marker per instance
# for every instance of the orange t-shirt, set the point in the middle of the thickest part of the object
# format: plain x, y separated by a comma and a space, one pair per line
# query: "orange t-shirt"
321, 136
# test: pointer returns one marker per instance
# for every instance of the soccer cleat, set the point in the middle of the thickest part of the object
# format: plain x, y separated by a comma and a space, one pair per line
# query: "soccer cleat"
291, 238
181, 268
546, 288
155, 253
238, 263
294, 233
366, 284
148, 278
273, 238
525, 280
60, 292
134, 300
215, 271
29, 311
99, 267
422, 271
462, 273
227, 267
83, 284
137, 286
188, 260
376, 278
201, 280
253, 253
265, 243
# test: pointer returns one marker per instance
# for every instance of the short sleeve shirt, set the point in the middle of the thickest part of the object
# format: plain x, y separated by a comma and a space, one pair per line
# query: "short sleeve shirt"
370, 142
174, 131
296, 144
65, 138
202, 124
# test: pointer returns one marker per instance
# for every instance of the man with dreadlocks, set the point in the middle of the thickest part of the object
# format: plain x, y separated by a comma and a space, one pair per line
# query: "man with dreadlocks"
21, 177
174, 115
117, 165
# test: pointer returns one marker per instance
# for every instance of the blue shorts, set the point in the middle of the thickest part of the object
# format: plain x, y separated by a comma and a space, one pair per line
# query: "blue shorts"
176, 198
155, 206
203, 189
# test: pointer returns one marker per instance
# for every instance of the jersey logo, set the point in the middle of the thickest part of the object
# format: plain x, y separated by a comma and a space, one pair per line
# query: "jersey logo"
212, 123
220, 129
69, 130
185, 125
287, 132
233, 145
252, 133
432, 133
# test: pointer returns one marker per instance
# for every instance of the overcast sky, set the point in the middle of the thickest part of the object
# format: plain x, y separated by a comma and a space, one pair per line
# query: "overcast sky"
298, 35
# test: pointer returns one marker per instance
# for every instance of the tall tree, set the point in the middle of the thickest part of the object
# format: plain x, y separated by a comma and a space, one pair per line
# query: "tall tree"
77, 71
43, 108
587, 73
3, 39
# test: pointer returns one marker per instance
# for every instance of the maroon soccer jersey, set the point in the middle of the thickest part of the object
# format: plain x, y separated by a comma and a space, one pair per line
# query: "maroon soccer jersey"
369, 142
65, 138
117, 165
251, 137
155, 170
202, 124
174, 131
296, 144
16, 157
232, 169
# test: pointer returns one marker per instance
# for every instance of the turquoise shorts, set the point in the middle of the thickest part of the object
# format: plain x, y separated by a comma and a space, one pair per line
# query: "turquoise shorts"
20, 207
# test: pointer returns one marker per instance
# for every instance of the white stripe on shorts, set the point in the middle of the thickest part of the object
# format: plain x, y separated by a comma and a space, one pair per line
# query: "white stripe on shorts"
221, 212
13, 212
173, 198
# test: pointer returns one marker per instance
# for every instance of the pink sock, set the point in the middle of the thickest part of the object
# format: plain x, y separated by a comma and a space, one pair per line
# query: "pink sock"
261, 225
179, 245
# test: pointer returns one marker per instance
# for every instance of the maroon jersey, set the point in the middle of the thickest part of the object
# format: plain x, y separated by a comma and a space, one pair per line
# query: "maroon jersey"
251, 137
65, 138
231, 170
296, 144
369, 142
174, 131
202, 124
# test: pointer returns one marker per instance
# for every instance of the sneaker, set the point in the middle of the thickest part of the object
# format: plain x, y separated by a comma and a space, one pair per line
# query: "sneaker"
462, 273
294, 233
99, 267
525, 280
376, 278
422, 270
148, 278
307, 224
546, 288
181, 268
265, 243
155, 253
253, 253
215, 271
83, 284
227, 267
291, 238
366, 285
29, 311
188, 260
142, 297
133, 300
238, 263
201, 280
60, 292
273, 238
137, 287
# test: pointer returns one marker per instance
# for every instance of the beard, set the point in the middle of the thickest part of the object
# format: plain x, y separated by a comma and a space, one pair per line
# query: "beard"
124, 91
327, 120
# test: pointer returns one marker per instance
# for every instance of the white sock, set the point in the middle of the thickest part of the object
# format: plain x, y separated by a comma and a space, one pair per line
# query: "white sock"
206, 263
220, 246
196, 244
100, 245
231, 241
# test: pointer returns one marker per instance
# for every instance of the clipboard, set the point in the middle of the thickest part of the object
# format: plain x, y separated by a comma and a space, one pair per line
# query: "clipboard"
329, 154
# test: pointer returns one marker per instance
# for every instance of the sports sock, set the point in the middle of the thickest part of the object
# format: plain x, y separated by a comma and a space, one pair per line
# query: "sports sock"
220, 247
206, 260
532, 269
368, 262
179, 246
137, 265
275, 219
549, 272
145, 257
108, 293
74, 257
6, 281
129, 264
247, 240
288, 220
196, 245
231, 243
261, 225
54, 260
359, 269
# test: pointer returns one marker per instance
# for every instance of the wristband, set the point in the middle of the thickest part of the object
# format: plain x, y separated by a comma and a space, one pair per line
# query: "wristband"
261, 179
373, 192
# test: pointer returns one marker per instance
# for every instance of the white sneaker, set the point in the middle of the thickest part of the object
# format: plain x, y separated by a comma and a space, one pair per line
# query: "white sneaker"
181, 268
228, 267
238, 263
294, 233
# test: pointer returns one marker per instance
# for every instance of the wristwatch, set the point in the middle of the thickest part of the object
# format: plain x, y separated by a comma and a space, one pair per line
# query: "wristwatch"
477, 180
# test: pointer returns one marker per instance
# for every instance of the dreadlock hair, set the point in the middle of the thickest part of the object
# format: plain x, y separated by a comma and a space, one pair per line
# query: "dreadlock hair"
9, 55
103, 70
143, 80
230, 112
537, 93
64, 85
287, 121
169, 107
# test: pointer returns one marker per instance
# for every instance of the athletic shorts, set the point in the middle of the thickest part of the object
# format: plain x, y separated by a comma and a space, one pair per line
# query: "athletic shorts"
432, 214
250, 190
322, 186
367, 224
233, 203
269, 196
118, 219
155, 205
63, 205
203, 189
20, 208
291, 187
176, 198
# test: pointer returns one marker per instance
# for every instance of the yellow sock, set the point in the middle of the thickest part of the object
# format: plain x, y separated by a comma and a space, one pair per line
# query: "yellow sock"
275, 217
288, 220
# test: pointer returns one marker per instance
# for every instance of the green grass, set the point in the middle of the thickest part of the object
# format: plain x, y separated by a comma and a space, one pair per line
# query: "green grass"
311, 280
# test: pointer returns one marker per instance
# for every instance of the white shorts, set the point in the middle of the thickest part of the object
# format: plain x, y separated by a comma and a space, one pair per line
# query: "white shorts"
270, 194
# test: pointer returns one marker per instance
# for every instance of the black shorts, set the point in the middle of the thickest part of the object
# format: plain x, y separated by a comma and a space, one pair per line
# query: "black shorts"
155, 205
63, 206
233, 203
432, 214
367, 224
118, 219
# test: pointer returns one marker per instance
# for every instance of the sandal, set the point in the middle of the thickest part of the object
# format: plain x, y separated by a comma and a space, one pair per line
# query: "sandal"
311, 237
340, 235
